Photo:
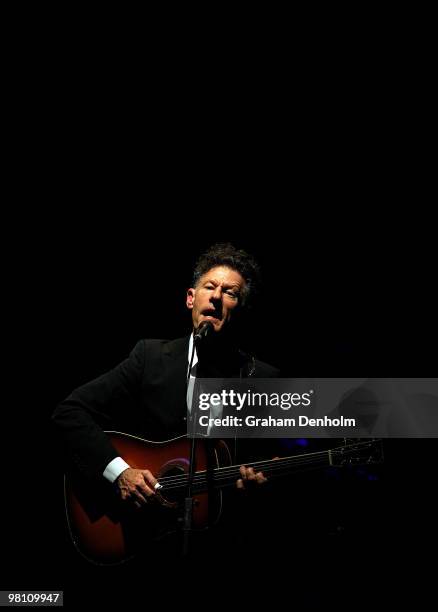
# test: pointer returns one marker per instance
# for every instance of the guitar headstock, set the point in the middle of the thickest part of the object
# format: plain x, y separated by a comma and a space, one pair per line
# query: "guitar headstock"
362, 452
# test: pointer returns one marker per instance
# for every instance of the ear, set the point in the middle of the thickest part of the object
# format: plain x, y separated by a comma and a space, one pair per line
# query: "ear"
190, 298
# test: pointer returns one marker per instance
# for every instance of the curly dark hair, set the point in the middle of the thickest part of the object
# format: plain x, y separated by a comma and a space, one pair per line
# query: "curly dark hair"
225, 254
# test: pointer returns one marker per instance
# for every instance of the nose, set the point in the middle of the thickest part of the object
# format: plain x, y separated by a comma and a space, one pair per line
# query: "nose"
216, 296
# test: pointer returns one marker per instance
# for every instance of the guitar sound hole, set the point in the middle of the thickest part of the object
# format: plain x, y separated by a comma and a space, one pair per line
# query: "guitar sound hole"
172, 492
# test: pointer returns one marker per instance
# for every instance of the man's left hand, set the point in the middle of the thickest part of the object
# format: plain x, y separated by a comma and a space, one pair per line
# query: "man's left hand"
249, 477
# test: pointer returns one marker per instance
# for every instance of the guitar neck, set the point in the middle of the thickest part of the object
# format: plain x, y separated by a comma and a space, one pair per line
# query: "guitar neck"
273, 468
359, 453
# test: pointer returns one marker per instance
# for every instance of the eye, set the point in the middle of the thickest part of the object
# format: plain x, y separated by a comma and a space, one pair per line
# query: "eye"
232, 293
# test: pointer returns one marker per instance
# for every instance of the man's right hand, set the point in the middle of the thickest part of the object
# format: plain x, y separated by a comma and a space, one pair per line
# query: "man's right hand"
136, 486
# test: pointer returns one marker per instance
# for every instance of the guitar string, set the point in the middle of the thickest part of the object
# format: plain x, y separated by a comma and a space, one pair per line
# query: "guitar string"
265, 464
202, 479
260, 465
221, 474
232, 470
201, 475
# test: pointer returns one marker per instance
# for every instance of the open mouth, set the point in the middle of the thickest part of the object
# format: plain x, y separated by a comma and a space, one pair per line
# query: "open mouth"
211, 315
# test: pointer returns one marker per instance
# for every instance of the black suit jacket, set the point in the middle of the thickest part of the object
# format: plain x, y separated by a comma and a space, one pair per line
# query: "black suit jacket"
144, 395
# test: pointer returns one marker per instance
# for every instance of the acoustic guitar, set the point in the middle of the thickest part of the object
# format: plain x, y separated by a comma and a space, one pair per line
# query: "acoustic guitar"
108, 531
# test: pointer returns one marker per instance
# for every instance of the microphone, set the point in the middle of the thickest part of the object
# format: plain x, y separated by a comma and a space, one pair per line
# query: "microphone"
203, 330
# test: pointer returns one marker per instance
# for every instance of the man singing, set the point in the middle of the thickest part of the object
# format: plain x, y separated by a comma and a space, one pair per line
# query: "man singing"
147, 393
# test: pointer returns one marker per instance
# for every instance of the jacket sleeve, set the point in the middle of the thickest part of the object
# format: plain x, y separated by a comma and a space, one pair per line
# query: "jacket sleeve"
80, 419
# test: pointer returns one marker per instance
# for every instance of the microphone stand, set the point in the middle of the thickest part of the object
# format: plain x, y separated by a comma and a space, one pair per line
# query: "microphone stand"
188, 500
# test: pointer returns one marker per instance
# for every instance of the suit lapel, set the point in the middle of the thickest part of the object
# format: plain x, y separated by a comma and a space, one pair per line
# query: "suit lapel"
176, 364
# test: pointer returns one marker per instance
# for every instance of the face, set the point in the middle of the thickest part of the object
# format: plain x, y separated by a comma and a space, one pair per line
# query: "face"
215, 297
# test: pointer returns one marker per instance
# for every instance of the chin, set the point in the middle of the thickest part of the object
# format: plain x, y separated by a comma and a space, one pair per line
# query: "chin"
215, 322
217, 325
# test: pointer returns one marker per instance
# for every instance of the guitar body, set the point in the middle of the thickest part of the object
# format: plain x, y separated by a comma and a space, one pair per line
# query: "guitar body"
108, 531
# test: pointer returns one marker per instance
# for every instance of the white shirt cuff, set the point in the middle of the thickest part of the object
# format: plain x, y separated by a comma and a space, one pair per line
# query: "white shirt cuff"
115, 468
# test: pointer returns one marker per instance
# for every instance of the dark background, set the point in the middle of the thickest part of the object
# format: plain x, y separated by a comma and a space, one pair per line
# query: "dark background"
126, 174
